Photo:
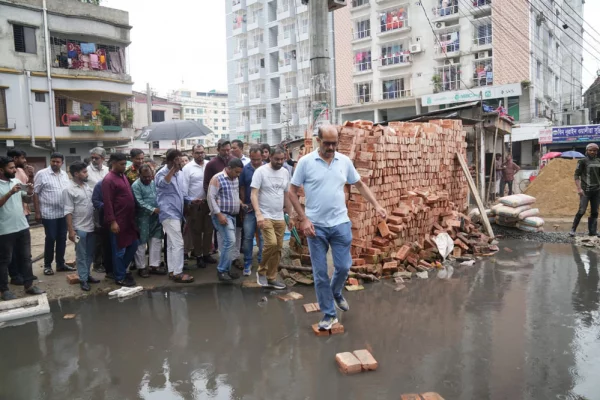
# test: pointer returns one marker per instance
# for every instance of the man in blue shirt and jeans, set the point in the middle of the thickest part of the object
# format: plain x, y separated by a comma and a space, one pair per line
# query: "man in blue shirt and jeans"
250, 217
323, 173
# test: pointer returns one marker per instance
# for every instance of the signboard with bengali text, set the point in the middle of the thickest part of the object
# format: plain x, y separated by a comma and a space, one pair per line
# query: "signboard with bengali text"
465, 96
545, 136
576, 133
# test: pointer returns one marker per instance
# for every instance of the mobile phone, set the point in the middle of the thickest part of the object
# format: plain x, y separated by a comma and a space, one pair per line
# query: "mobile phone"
24, 188
77, 239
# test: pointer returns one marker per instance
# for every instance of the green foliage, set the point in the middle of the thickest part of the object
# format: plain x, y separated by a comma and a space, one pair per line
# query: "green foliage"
105, 115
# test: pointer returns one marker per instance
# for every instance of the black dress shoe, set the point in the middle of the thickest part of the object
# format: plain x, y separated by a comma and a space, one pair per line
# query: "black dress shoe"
65, 268
224, 277
209, 260
8, 295
85, 286
91, 279
234, 275
200, 262
34, 290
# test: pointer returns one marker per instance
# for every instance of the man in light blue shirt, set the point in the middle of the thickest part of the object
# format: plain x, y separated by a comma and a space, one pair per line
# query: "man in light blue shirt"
323, 174
169, 191
14, 230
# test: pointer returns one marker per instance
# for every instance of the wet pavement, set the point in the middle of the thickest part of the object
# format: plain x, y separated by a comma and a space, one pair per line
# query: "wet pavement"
521, 325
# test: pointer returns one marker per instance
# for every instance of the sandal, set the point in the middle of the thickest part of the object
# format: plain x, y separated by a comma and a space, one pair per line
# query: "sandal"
183, 278
144, 273
158, 270
48, 271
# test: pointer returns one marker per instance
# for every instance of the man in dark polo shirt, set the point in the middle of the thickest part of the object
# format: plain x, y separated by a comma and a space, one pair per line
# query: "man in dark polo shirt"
587, 181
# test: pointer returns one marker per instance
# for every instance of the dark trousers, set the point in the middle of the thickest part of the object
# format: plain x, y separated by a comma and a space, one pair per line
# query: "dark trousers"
13, 269
19, 244
510, 186
103, 237
200, 222
98, 250
56, 235
593, 198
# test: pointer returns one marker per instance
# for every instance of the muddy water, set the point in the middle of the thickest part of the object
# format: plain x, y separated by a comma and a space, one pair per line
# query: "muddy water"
524, 325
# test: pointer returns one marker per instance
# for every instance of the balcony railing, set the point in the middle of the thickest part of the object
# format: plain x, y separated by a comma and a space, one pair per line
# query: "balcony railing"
363, 98
363, 67
359, 3
365, 34
396, 94
396, 60
393, 26
482, 40
440, 12
447, 48
77, 55
481, 3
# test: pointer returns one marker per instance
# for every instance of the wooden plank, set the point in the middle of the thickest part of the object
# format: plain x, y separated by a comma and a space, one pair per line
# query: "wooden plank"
473, 188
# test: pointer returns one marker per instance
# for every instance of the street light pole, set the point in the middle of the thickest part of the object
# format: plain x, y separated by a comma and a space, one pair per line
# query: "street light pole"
320, 88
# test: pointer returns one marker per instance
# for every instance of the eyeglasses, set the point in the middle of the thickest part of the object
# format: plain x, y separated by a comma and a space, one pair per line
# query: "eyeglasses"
329, 144
96, 158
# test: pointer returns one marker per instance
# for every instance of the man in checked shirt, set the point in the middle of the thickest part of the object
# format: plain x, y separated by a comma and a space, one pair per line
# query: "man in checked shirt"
224, 203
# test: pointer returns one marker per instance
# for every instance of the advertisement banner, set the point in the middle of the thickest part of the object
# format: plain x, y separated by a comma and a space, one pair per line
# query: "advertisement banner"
465, 96
545, 136
576, 133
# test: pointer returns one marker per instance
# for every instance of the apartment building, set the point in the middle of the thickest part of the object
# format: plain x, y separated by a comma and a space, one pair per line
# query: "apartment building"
396, 58
268, 69
209, 108
64, 82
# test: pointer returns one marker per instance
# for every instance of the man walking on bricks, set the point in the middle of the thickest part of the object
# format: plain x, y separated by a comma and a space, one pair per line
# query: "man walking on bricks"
323, 173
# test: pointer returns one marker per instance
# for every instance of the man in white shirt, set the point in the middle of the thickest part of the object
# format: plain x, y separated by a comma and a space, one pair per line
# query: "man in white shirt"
79, 213
49, 184
269, 196
97, 170
237, 150
198, 218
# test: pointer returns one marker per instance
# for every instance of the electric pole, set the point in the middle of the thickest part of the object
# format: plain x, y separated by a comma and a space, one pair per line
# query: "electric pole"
320, 88
149, 107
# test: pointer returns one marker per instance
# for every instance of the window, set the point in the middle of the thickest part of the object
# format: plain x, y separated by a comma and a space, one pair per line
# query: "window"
483, 74
223, 120
446, 8
24, 39
448, 77
394, 53
192, 111
158, 115
363, 92
216, 120
3, 114
537, 30
392, 19
186, 94
557, 49
362, 60
483, 34
549, 39
556, 80
215, 112
156, 144
223, 104
568, 119
187, 111
40, 97
358, 3
538, 70
394, 89
513, 107
447, 42
223, 112
115, 111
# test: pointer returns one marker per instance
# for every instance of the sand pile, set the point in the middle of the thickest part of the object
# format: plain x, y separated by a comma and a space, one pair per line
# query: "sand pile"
554, 189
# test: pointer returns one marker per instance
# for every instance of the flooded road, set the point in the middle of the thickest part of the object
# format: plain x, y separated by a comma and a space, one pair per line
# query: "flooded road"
522, 325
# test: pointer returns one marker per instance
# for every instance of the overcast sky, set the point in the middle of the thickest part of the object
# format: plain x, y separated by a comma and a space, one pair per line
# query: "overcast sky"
185, 40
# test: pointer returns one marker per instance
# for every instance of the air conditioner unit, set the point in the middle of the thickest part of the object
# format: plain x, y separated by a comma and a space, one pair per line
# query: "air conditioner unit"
415, 48
335, 4
482, 54
440, 25
449, 62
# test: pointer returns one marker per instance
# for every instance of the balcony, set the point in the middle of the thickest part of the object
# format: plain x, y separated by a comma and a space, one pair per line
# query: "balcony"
238, 5
241, 77
240, 53
446, 50
242, 101
363, 68
257, 124
288, 92
289, 119
358, 5
256, 23
258, 99
481, 7
483, 73
482, 43
396, 94
239, 24
256, 48
287, 39
394, 28
363, 98
448, 13
288, 65
395, 61
361, 36
285, 11
243, 126
256, 73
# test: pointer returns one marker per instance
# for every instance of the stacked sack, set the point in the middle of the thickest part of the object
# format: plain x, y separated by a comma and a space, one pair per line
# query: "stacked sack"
517, 211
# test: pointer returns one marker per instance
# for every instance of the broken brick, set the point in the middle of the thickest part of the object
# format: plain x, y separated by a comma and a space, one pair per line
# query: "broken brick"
384, 231
358, 261
403, 253
431, 396
72, 279
348, 363
337, 329
318, 332
367, 361
353, 281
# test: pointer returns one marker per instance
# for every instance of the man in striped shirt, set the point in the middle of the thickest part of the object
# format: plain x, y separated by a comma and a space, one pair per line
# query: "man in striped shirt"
224, 203
49, 184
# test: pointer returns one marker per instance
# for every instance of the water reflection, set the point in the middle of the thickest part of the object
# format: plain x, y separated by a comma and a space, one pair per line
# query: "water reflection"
521, 325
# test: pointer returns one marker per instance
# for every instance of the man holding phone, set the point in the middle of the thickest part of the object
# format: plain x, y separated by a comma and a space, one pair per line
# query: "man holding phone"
79, 212
14, 230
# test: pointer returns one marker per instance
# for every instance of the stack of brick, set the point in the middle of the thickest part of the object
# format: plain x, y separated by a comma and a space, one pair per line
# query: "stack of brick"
412, 170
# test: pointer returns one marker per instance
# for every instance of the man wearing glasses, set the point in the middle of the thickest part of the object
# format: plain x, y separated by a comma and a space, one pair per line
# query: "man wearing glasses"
323, 173
97, 170
199, 220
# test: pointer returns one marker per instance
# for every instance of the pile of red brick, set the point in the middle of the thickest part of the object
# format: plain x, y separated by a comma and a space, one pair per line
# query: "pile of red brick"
413, 172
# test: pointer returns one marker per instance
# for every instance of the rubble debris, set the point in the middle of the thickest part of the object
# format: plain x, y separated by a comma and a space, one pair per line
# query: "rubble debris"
399, 288
311, 307
290, 296
302, 279
348, 363
69, 316
422, 275
354, 288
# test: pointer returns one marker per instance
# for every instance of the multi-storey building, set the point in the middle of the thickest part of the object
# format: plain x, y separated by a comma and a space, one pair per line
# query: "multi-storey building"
64, 82
209, 108
268, 69
396, 58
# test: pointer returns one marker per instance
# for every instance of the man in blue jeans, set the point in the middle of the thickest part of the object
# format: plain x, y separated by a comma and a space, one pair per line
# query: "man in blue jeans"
250, 218
79, 212
224, 203
323, 173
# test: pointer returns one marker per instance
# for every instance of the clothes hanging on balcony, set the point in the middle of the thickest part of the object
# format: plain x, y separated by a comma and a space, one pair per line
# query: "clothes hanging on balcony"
88, 48
114, 60
94, 61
